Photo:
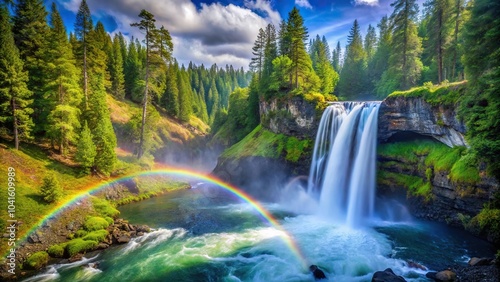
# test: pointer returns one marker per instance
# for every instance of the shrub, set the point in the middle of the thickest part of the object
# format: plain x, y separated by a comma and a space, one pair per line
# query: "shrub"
104, 208
97, 236
79, 245
51, 190
37, 260
95, 223
56, 251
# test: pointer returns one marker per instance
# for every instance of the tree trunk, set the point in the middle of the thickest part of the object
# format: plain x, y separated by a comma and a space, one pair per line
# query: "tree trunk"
16, 134
145, 100
85, 77
439, 42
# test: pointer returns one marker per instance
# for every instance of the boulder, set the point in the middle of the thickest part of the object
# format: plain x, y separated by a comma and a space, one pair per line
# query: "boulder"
480, 261
102, 246
76, 257
387, 276
124, 238
442, 276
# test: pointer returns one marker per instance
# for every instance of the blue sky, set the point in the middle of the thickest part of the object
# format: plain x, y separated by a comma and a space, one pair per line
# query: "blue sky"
223, 32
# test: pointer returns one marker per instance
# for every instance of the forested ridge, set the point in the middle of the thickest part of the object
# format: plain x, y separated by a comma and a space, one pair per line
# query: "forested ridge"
54, 84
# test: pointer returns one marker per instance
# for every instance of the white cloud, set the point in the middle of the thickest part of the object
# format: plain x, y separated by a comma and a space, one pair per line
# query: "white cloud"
213, 33
303, 3
264, 6
366, 2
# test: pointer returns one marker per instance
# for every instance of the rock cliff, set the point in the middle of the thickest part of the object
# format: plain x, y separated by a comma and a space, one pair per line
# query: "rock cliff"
414, 114
293, 117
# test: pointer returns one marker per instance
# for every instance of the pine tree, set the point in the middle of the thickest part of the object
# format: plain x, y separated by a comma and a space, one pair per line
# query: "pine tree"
297, 34
85, 149
404, 64
370, 44
322, 66
258, 50
380, 61
132, 72
455, 48
185, 103
270, 53
62, 89
171, 96
440, 31
15, 97
51, 190
30, 34
352, 77
336, 55
116, 69
147, 25
83, 27
283, 39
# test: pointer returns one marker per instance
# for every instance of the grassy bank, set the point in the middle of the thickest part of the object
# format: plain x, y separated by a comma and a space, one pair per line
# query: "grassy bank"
264, 143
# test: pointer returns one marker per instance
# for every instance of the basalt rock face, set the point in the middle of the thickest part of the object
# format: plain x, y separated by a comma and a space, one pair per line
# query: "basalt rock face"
293, 117
414, 114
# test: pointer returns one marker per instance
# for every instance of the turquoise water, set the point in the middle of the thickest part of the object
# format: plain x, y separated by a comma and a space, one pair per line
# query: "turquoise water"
201, 235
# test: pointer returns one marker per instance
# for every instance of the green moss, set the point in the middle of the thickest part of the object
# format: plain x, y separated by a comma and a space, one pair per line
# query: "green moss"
80, 233
79, 245
104, 208
446, 94
414, 184
264, 143
465, 171
95, 223
56, 251
37, 260
109, 220
260, 142
295, 148
97, 236
456, 161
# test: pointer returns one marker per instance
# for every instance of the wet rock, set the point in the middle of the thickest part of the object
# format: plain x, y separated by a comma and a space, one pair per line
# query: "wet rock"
445, 276
76, 257
416, 265
140, 233
124, 238
414, 114
480, 261
387, 276
102, 246
317, 273
143, 228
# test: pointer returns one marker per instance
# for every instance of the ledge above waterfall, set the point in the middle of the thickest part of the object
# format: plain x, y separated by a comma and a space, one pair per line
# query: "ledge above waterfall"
414, 114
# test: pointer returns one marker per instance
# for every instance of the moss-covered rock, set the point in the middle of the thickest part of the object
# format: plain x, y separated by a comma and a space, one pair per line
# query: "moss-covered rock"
37, 260
94, 223
56, 251
79, 245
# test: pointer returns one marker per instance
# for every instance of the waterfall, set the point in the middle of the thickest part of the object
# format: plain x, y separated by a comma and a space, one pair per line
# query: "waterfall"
342, 174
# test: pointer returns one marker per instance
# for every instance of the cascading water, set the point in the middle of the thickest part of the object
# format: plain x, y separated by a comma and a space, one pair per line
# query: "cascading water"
342, 173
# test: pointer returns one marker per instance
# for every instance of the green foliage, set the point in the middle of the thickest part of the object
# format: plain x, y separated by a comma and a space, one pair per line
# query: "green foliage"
94, 223
489, 222
16, 99
295, 148
405, 66
37, 260
56, 251
85, 149
110, 220
480, 107
105, 209
79, 245
51, 190
352, 77
97, 236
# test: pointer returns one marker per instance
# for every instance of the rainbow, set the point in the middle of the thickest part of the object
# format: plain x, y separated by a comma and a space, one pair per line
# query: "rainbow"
287, 238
